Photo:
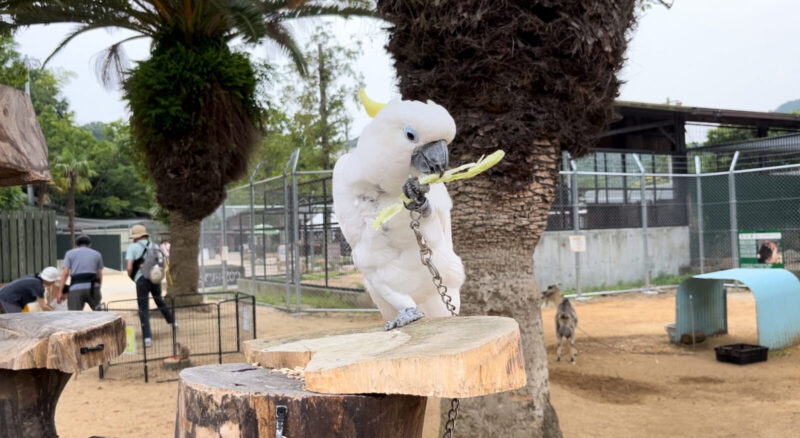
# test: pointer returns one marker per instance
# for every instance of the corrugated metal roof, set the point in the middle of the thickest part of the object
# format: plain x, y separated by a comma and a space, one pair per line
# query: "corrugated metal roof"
777, 296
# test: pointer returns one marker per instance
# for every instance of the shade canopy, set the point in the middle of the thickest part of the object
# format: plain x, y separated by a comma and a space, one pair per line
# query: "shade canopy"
777, 297
23, 151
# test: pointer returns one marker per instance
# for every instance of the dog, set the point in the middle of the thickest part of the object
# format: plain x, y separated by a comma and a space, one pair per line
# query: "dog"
566, 320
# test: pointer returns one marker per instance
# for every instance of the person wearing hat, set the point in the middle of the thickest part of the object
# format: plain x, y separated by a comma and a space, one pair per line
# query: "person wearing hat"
84, 266
17, 294
144, 287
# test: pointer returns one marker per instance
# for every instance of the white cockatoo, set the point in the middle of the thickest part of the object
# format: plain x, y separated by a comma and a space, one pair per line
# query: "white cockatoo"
405, 140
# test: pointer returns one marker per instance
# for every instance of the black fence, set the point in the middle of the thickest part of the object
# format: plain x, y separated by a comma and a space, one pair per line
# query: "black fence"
206, 333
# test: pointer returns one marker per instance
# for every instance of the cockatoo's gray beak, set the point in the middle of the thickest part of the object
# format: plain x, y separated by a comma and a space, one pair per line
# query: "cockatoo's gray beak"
431, 157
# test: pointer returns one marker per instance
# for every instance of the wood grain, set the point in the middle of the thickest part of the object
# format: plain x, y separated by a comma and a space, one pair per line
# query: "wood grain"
53, 340
439, 357
240, 400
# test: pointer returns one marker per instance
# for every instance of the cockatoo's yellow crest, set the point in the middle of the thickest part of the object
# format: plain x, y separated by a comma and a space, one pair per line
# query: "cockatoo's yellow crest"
370, 105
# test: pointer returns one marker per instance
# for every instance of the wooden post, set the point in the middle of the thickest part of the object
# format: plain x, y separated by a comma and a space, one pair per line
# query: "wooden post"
240, 401
38, 354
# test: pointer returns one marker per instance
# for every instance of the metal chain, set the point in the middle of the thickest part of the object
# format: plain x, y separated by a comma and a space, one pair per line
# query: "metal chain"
425, 255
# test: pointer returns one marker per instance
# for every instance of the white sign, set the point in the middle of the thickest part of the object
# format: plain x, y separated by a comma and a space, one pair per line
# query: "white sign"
205, 254
577, 243
224, 253
247, 315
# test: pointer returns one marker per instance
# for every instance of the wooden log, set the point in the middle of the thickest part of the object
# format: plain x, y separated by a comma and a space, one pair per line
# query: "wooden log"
439, 357
23, 151
54, 340
38, 354
240, 401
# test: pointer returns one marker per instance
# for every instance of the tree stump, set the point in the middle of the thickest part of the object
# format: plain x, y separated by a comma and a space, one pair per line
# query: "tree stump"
38, 354
241, 401
468, 356
351, 383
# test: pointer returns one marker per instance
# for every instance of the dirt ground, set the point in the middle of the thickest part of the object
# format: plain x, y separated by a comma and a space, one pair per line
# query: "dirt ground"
629, 381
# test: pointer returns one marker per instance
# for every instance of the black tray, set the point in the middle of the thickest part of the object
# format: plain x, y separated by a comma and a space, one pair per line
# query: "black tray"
741, 354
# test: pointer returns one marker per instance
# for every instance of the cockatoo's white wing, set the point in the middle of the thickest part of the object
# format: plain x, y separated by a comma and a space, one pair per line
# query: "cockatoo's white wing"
440, 200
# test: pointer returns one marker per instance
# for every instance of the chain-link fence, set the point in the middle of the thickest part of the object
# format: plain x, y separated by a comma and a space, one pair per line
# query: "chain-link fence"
620, 221
648, 221
279, 239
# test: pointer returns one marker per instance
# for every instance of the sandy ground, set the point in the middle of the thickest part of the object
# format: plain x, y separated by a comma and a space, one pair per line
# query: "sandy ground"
629, 381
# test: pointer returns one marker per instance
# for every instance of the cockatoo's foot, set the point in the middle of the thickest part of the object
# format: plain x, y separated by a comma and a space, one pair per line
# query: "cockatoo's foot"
416, 193
405, 317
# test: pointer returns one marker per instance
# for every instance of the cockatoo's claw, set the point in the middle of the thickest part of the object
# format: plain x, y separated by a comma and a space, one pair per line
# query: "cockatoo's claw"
416, 193
405, 317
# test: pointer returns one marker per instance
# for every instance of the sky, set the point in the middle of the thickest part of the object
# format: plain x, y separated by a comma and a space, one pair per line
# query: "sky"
732, 54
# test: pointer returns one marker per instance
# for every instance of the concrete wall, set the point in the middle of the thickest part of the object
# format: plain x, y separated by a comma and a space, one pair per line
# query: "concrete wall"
612, 256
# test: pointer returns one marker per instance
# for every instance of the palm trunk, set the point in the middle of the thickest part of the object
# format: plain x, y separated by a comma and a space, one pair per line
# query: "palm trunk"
495, 233
183, 268
71, 209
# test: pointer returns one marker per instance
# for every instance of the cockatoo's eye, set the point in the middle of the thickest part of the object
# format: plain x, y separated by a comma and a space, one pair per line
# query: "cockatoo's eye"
411, 134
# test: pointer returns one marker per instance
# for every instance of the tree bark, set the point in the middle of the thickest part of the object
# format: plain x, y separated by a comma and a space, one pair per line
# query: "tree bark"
183, 268
239, 400
495, 233
32, 412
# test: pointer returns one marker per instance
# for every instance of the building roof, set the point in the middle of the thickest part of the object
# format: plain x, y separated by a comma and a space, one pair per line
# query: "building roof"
712, 115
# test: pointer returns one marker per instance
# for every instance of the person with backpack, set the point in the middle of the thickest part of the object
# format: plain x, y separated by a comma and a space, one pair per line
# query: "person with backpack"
146, 268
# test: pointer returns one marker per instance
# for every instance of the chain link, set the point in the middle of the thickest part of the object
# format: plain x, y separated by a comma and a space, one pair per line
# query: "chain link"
425, 255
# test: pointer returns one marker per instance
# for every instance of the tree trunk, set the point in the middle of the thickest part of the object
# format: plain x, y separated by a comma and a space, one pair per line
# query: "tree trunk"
323, 109
71, 209
30, 412
239, 400
495, 233
183, 268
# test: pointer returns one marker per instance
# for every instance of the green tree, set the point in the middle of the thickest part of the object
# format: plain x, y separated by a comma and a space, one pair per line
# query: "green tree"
194, 113
534, 78
121, 187
72, 173
320, 118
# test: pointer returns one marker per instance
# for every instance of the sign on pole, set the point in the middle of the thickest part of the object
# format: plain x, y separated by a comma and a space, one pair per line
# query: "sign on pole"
761, 249
577, 243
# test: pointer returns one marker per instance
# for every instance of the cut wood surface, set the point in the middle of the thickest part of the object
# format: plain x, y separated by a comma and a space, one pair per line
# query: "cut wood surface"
23, 151
54, 340
441, 357
240, 400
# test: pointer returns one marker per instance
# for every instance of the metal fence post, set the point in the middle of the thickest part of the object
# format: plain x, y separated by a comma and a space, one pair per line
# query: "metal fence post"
734, 220
296, 236
576, 225
222, 253
202, 256
701, 244
253, 224
293, 158
643, 189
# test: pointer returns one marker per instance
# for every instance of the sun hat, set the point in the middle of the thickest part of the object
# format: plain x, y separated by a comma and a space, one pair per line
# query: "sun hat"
138, 231
49, 274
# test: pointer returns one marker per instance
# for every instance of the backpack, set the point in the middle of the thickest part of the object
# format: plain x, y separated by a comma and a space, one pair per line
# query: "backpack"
152, 263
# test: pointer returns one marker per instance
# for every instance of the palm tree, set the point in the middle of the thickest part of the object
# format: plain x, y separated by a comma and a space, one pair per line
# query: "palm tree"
72, 176
194, 113
534, 78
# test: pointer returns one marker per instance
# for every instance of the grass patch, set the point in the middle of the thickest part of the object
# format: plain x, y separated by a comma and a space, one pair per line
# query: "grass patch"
661, 280
321, 300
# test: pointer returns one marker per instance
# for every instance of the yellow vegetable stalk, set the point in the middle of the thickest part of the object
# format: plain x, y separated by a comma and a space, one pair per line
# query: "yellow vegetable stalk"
461, 172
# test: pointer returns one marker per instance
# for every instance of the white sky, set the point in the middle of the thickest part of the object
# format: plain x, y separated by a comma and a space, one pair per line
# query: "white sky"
733, 54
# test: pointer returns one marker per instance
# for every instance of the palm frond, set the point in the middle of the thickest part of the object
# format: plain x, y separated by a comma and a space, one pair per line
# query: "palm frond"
282, 37
112, 62
246, 17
